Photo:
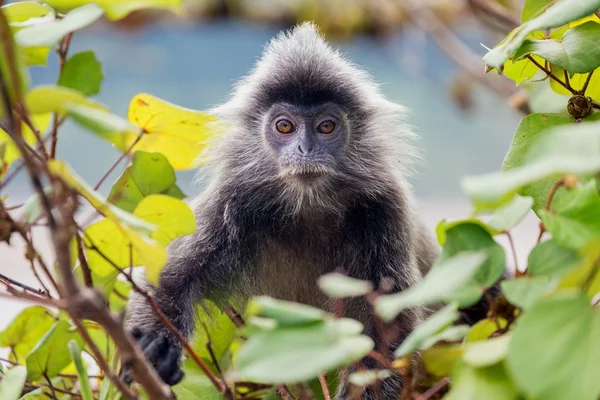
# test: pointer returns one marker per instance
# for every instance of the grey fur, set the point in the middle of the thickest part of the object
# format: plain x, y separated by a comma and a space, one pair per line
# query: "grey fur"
260, 232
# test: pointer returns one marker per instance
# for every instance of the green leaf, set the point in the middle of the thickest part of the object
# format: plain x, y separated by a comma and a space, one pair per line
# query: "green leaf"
491, 383
576, 221
149, 173
285, 313
473, 237
116, 10
440, 360
431, 326
338, 285
577, 51
539, 159
215, 326
511, 214
49, 98
50, 33
312, 349
61, 170
84, 382
51, 354
483, 329
12, 383
195, 384
532, 8
557, 14
82, 72
571, 325
26, 330
550, 259
523, 292
486, 353
442, 281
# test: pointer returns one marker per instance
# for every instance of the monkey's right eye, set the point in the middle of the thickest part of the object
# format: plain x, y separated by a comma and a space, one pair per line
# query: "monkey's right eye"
284, 126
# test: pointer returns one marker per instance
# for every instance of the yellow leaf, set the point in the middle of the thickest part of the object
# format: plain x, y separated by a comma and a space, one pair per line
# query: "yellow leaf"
123, 247
592, 18
49, 98
523, 70
577, 81
173, 217
117, 9
180, 134
9, 151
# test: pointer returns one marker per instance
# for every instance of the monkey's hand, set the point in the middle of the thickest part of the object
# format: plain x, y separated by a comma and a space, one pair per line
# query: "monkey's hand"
162, 351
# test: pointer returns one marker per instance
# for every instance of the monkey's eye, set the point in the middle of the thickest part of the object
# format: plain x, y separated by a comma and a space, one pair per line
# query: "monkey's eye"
326, 126
284, 126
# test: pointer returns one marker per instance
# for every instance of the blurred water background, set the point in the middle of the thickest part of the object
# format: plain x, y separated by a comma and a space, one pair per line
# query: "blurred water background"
194, 65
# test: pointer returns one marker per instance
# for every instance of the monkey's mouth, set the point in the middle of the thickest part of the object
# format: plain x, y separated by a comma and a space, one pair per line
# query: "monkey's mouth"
305, 171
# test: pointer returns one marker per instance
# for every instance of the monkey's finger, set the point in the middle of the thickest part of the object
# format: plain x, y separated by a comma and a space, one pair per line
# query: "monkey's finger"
168, 368
126, 376
145, 340
156, 349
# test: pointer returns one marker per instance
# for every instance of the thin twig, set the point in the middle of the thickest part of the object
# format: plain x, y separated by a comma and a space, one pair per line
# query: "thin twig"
549, 199
284, 392
512, 249
121, 157
497, 12
102, 363
551, 75
22, 285
434, 389
587, 82
452, 46
50, 385
324, 386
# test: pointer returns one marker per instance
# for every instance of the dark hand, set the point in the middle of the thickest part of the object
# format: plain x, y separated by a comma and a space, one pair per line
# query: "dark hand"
162, 352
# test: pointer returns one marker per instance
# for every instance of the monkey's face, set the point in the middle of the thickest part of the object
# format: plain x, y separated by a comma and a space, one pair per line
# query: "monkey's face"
305, 140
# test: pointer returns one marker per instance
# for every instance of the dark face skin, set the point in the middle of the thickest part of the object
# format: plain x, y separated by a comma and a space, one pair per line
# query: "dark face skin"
306, 140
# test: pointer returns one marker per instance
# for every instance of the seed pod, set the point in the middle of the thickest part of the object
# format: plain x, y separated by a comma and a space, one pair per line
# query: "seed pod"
579, 106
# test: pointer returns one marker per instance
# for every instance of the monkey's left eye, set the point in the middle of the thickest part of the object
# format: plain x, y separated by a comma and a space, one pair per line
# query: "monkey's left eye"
326, 126
284, 126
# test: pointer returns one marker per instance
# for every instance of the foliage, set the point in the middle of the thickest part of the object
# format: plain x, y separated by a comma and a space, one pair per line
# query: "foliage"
538, 341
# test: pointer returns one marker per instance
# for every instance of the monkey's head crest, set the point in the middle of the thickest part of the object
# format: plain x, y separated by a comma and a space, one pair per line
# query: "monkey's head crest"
306, 114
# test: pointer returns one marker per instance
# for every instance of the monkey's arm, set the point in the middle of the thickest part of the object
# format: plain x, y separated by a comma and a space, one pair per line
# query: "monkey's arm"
200, 266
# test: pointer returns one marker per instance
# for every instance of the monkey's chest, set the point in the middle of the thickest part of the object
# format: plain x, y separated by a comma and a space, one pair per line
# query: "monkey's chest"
290, 274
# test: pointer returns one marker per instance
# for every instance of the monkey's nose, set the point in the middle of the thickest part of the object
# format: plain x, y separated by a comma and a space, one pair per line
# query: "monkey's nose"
305, 147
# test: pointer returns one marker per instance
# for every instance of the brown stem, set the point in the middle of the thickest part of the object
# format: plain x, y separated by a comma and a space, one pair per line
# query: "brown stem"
552, 192
551, 75
434, 389
23, 286
324, 386
587, 82
50, 385
452, 46
121, 157
284, 393
497, 12
235, 317
102, 363
512, 249
85, 268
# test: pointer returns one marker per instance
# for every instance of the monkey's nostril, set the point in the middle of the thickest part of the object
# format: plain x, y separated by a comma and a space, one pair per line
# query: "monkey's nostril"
300, 149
